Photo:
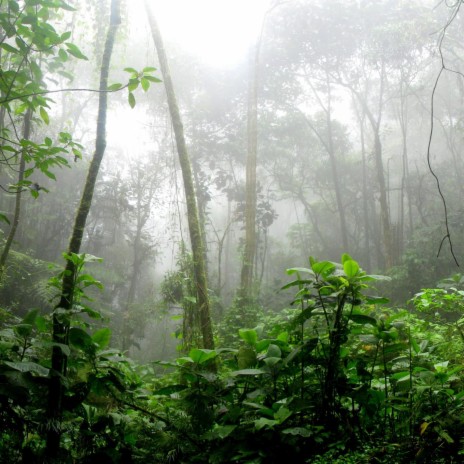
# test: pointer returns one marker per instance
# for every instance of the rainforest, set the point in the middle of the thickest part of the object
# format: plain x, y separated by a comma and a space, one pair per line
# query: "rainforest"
231, 231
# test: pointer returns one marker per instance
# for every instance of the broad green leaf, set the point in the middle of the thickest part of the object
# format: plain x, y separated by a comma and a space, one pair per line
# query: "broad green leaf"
376, 300
102, 337
282, 414
323, 267
200, 355
249, 335
29, 367
363, 319
346, 257
351, 268
273, 351
81, 339
4, 218
263, 422
297, 270
30, 317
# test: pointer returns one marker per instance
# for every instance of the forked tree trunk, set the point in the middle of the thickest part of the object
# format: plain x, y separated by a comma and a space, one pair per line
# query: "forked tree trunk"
199, 265
61, 329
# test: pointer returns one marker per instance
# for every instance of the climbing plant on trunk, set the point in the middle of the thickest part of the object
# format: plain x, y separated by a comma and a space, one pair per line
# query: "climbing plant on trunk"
61, 324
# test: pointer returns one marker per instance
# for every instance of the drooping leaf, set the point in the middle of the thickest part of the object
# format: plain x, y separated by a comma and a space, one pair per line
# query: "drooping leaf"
74, 51
201, 355
131, 100
31, 367
44, 115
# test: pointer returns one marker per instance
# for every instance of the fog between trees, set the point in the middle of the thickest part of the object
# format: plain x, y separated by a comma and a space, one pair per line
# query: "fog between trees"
343, 117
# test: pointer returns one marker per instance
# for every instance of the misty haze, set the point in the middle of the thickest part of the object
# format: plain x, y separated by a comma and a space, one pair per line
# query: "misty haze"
231, 231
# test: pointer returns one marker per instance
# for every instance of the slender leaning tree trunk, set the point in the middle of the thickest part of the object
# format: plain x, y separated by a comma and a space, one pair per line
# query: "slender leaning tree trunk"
199, 264
60, 328
17, 209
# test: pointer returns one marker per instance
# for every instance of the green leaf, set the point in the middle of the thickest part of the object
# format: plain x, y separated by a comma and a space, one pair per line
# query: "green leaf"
376, 300
30, 317
63, 55
248, 372
102, 337
81, 339
282, 414
273, 351
9, 48
50, 175
65, 36
64, 348
131, 70
4, 218
363, 319
249, 335
28, 367
351, 268
74, 51
152, 79
220, 431
133, 84
114, 87
145, 84
200, 356
170, 389
148, 69
297, 270
323, 267
263, 422
131, 100
44, 115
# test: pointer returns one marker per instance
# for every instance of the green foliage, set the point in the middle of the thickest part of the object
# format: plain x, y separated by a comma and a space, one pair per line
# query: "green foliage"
333, 379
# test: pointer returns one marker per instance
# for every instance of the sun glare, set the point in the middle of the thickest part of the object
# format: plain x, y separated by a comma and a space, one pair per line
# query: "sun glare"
219, 32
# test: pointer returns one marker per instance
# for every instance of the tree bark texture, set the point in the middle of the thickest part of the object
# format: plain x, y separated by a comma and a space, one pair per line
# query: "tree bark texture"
60, 328
199, 264
249, 254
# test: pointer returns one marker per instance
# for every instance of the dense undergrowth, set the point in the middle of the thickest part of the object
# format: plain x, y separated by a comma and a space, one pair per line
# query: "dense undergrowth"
338, 377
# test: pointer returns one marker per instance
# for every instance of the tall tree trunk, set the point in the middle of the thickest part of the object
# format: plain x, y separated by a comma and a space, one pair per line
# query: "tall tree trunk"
17, 208
246, 281
199, 265
60, 328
